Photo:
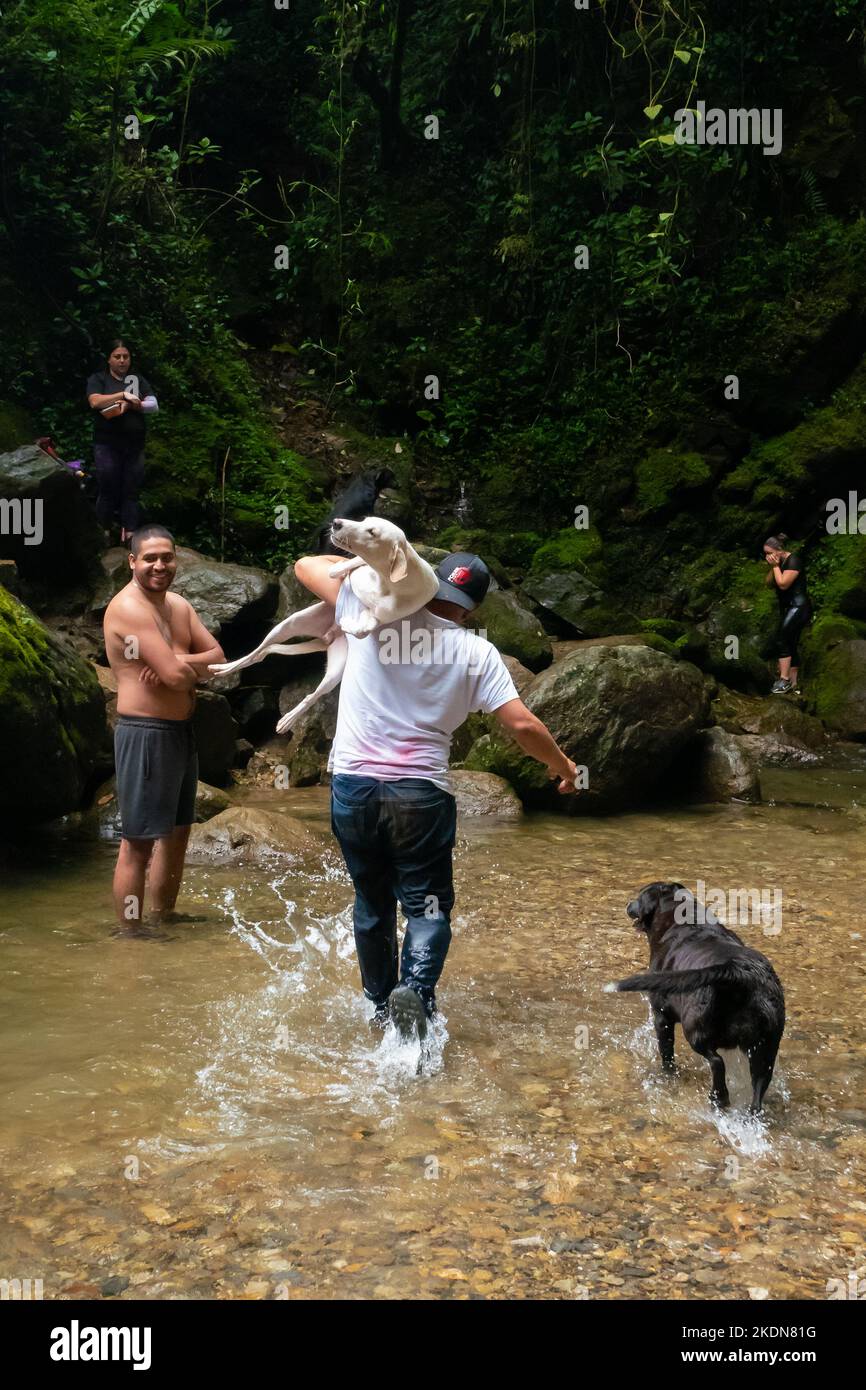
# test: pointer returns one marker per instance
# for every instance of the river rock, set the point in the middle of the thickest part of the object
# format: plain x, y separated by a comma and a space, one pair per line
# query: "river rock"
215, 734
71, 537
512, 629
783, 734
484, 794
246, 834
224, 594
53, 718
725, 766
624, 713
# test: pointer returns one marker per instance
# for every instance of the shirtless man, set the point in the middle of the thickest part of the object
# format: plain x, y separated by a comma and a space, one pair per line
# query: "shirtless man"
158, 649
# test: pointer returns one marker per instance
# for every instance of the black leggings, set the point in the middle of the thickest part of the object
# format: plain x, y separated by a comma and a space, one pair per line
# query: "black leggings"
119, 474
794, 619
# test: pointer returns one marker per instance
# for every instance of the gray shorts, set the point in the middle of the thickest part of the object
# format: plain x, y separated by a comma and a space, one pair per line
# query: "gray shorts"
157, 772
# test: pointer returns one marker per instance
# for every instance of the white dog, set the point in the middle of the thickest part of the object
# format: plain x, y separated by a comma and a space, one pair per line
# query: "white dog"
386, 574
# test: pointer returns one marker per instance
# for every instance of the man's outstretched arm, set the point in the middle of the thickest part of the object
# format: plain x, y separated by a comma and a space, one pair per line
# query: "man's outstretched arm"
536, 739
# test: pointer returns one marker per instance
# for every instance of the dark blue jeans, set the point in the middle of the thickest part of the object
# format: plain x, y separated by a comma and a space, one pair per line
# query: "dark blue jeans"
397, 839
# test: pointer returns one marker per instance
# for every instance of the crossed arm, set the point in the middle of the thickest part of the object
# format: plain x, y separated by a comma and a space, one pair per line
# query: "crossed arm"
178, 671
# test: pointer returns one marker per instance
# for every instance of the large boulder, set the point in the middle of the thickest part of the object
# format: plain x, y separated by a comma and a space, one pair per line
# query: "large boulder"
248, 835
215, 734
53, 720
50, 529
623, 713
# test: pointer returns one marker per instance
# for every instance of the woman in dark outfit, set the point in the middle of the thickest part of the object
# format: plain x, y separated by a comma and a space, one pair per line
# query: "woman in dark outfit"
120, 400
788, 573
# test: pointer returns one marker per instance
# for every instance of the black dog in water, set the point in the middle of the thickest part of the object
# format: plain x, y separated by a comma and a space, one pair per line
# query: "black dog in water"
354, 503
702, 976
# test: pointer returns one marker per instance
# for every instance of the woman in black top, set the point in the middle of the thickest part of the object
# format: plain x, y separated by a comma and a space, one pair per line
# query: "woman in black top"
120, 400
788, 573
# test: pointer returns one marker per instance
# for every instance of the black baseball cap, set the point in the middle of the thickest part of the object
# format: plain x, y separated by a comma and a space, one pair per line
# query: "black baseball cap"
463, 579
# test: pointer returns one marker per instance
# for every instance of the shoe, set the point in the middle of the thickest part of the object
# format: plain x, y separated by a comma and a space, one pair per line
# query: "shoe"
781, 688
380, 1019
408, 1013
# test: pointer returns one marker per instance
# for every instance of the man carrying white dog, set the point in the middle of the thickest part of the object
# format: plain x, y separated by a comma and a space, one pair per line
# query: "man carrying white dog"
392, 810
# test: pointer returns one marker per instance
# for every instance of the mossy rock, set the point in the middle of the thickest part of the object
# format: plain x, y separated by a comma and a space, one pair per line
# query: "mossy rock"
571, 549
834, 673
666, 476
512, 629
837, 575
53, 720
624, 713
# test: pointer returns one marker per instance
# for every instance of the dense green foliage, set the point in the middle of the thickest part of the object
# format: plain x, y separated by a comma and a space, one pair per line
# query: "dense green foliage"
284, 194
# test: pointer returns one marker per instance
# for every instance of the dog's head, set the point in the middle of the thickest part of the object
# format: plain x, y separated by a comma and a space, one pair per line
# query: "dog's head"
655, 900
378, 542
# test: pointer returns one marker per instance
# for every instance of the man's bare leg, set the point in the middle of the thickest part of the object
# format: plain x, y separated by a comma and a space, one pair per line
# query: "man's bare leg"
129, 876
166, 870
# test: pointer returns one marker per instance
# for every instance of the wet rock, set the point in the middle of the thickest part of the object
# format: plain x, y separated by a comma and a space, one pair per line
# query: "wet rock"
54, 725
624, 713
784, 734
244, 834
215, 735
71, 537
725, 767
115, 1285
484, 794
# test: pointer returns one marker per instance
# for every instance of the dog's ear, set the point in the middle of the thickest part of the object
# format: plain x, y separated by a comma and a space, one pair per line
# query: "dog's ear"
399, 566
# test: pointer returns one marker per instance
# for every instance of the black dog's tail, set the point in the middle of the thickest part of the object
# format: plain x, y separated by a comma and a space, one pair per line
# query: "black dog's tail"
682, 981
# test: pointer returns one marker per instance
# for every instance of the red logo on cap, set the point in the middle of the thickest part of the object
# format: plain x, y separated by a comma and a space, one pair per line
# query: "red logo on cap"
461, 575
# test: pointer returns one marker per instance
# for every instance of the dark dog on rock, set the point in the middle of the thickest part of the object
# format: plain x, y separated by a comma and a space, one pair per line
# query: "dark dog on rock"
702, 976
356, 501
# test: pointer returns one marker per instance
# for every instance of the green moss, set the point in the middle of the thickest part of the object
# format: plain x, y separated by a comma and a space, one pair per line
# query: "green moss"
665, 475
827, 673
837, 575
783, 466
571, 549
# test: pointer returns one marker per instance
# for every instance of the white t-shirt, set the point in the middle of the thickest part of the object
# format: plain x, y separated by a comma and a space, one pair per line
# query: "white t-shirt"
406, 688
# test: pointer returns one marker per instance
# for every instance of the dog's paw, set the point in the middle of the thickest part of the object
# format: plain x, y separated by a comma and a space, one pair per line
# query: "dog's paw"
285, 724
610, 988
361, 627
226, 668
